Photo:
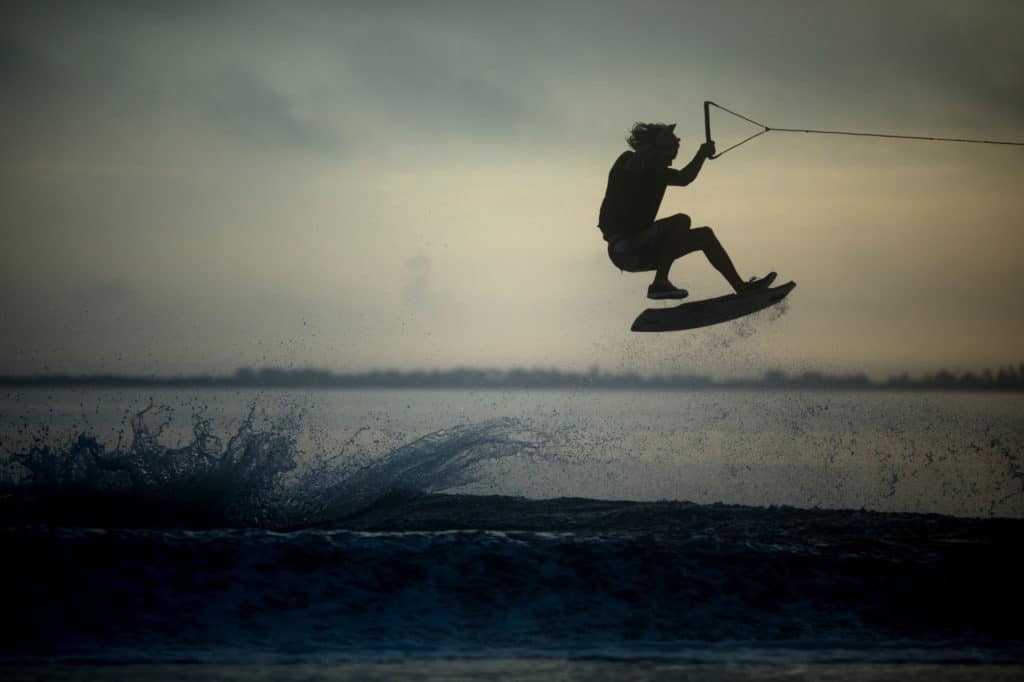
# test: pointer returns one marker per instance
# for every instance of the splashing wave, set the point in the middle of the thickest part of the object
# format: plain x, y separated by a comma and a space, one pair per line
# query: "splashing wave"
257, 477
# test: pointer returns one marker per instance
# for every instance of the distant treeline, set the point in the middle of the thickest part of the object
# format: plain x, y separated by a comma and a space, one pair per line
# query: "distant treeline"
1006, 379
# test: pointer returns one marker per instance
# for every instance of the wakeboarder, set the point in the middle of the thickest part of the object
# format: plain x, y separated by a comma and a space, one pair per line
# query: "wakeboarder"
637, 241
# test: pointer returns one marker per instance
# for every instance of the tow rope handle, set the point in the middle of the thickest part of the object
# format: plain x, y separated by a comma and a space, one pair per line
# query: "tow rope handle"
707, 121
707, 126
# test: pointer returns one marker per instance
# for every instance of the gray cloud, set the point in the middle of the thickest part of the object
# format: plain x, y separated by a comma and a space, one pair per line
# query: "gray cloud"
419, 293
237, 103
428, 76
428, 92
132, 72
141, 65
322, 77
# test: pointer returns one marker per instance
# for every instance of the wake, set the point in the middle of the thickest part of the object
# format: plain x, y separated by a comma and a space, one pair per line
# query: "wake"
257, 477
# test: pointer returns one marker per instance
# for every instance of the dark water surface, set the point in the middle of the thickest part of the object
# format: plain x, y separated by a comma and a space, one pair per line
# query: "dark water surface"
523, 670
390, 535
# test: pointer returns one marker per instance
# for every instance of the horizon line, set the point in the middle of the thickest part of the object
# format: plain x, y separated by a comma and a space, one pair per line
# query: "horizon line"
1005, 378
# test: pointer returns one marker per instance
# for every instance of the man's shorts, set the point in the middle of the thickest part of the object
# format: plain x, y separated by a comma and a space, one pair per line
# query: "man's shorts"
632, 257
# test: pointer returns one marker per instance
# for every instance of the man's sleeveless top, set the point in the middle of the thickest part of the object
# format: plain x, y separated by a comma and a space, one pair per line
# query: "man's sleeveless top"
632, 197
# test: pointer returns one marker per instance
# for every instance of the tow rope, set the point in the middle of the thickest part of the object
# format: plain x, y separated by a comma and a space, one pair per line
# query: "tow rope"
768, 129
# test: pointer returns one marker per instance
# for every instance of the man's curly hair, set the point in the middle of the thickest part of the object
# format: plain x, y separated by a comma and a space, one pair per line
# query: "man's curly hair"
645, 134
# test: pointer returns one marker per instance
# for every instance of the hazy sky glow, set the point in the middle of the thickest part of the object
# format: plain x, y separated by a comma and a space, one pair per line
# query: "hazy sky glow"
192, 187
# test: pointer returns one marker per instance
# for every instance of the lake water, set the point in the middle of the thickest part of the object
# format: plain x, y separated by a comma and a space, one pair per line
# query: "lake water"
945, 453
504, 534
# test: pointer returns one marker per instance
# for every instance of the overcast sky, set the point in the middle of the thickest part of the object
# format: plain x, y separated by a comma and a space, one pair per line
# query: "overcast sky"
197, 186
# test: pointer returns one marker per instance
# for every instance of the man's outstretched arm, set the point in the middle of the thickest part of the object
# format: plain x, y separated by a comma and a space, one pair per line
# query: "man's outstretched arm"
688, 173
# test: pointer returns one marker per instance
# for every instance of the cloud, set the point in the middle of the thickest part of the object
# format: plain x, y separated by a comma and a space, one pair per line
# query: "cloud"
138, 71
327, 78
430, 79
238, 104
417, 291
313, 81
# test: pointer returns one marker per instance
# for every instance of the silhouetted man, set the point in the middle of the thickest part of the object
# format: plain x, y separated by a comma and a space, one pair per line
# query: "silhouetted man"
639, 243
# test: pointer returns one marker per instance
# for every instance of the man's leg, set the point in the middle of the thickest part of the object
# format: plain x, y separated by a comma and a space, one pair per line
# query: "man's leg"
676, 239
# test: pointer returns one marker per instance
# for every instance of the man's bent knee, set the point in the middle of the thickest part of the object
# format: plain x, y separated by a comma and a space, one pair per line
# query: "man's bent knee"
681, 221
674, 228
704, 237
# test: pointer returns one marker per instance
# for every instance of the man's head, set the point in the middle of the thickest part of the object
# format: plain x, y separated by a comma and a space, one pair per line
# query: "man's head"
655, 141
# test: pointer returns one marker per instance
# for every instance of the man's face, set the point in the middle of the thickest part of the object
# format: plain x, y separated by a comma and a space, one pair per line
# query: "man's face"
666, 146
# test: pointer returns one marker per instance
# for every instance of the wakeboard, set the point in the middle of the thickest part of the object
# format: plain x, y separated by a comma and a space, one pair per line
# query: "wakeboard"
709, 311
